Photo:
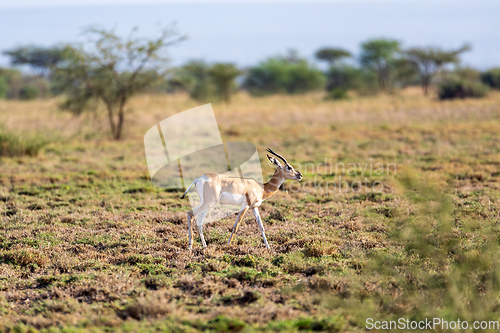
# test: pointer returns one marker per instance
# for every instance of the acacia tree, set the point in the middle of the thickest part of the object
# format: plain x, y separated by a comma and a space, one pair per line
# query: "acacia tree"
380, 55
195, 78
39, 58
223, 76
428, 61
279, 75
111, 71
204, 81
332, 55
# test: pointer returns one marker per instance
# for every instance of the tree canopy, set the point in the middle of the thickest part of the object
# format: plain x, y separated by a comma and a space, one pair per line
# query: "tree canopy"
41, 59
112, 69
224, 75
332, 55
281, 75
429, 60
380, 55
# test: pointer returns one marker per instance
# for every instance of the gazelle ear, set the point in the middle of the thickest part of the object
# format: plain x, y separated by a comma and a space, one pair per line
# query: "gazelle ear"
274, 161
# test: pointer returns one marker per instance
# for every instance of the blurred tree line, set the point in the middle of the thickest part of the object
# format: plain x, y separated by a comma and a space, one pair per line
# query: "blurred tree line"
110, 69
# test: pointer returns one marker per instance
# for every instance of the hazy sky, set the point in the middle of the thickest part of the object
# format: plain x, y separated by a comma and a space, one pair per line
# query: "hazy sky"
248, 31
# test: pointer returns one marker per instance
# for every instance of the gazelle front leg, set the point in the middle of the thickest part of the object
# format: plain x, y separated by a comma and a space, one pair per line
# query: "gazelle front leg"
238, 219
259, 222
200, 227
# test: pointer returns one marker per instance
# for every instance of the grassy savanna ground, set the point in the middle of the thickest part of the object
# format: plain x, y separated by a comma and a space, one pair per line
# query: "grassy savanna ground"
87, 243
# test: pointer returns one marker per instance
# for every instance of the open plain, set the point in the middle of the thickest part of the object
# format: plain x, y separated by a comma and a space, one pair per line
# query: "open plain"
398, 216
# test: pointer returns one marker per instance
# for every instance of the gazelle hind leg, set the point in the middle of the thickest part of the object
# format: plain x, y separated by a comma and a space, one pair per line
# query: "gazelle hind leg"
200, 227
209, 198
193, 213
200, 213
238, 219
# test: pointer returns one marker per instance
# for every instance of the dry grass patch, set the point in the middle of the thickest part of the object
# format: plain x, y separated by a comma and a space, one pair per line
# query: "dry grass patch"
87, 243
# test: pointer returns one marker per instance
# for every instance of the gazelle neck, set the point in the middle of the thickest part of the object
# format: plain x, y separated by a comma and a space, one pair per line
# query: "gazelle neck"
273, 184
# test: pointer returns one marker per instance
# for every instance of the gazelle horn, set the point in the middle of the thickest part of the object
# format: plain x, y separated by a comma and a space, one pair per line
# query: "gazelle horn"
277, 155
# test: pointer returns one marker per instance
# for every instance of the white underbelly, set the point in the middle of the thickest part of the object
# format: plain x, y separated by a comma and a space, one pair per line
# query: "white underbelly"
232, 198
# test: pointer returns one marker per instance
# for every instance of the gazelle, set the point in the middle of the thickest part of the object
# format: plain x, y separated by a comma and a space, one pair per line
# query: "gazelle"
244, 192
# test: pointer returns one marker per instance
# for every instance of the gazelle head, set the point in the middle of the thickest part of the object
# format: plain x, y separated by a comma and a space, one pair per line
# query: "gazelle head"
285, 169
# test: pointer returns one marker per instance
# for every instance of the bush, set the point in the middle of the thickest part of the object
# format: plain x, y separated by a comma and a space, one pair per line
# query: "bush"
23, 258
281, 75
491, 78
223, 76
16, 85
4, 87
344, 78
466, 73
28, 92
195, 78
337, 94
13, 145
9, 80
460, 88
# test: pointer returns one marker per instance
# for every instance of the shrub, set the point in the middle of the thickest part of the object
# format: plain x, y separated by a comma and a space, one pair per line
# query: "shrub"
491, 78
344, 78
460, 88
281, 75
23, 258
195, 78
13, 145
224, 324
338, 93
466, 73
28, 92
223, 76
10, 79
4, 87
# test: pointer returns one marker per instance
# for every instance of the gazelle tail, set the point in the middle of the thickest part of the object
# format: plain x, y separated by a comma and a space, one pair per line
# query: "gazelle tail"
184, 195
